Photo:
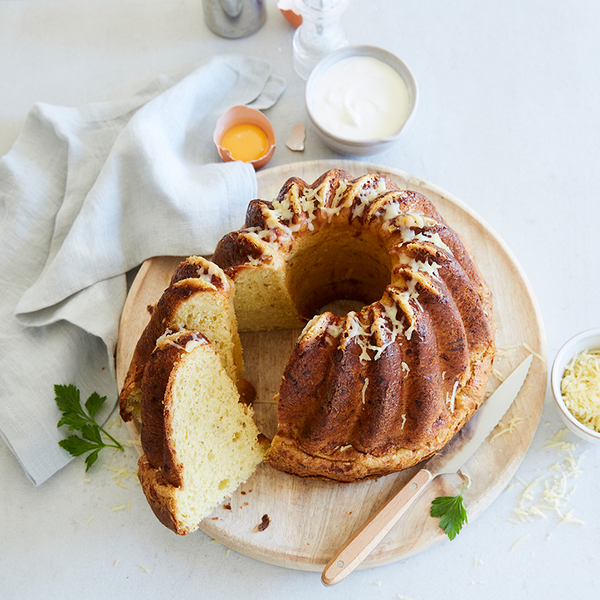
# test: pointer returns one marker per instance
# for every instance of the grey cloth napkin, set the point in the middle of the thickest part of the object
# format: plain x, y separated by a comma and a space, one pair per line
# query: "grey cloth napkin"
87, 194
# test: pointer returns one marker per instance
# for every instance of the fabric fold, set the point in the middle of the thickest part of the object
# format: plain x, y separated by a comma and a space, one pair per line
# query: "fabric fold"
86, 195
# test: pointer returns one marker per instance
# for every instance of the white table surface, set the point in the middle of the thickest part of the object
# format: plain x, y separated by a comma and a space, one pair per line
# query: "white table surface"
508, 121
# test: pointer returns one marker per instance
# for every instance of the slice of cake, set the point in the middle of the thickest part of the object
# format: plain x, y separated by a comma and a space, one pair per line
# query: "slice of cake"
199, 441
199, 298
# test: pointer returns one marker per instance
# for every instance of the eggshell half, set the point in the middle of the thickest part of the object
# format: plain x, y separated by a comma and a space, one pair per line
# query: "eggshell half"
239, 115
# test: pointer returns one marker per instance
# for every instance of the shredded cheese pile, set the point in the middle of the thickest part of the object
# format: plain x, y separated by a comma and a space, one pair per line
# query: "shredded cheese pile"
580, 388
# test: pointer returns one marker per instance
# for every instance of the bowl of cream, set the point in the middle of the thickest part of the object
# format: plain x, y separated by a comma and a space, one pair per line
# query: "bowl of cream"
360, 98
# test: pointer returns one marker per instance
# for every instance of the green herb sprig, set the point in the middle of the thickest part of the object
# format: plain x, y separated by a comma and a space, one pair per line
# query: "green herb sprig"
76, 418
452, 513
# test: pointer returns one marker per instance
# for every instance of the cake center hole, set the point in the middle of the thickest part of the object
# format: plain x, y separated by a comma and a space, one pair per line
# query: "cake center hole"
342, 265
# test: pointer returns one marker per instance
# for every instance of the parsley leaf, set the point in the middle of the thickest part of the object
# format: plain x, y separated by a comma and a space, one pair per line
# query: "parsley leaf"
451, 511
76, 418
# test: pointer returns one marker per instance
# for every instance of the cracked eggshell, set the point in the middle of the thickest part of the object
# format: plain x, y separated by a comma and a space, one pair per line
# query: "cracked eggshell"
239, 115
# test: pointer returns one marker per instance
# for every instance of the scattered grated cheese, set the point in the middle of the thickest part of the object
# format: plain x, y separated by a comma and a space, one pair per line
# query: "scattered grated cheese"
466, 476
531, 351
549, 495
580, 388
498, 375
518, 542
506, 428
143, 568
568, 518
505, 351
403, 420
116, 562
118, 507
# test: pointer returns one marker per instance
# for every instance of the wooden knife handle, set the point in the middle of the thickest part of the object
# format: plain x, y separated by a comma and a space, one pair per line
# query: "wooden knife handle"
364, 541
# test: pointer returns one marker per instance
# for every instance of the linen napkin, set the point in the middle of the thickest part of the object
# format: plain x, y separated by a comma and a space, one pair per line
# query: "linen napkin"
87, 194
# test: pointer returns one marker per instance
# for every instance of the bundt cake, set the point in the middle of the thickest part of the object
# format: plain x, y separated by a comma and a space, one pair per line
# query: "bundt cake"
378, 390
199, 298
199, 441
363, 395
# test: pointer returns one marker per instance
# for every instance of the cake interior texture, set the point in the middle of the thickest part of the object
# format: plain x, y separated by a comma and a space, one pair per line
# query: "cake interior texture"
210, 438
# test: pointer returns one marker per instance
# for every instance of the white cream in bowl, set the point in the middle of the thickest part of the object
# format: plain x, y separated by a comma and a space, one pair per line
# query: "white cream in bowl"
360, 98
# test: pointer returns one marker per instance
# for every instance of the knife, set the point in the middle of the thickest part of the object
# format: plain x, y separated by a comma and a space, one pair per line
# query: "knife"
449, 460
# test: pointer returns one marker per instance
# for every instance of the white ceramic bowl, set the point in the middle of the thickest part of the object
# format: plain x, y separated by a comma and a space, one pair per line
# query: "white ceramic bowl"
586, 340
370, 146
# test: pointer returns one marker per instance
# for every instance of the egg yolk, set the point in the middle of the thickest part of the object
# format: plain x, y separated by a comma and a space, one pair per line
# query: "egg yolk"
245, 142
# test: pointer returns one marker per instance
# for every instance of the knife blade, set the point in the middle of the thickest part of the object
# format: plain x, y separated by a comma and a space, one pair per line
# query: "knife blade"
449, 460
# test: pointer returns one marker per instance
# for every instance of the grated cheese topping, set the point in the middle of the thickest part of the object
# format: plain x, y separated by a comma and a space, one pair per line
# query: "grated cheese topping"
366, 197
197, 340
364, 389
451, 399
207, 274
580, 388
358, 333
334, 330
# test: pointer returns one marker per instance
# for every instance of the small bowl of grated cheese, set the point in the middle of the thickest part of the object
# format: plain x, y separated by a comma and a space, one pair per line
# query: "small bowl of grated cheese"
575, 382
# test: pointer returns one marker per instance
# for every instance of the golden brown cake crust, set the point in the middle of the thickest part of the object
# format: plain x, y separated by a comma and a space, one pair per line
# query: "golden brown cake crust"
158, 470
159, 495
352, 405
190, 278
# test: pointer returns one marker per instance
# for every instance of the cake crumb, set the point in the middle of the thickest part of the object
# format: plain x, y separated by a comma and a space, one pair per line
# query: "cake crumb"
265, 522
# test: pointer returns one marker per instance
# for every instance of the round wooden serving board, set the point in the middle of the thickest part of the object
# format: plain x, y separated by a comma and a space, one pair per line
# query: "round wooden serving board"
310, 520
